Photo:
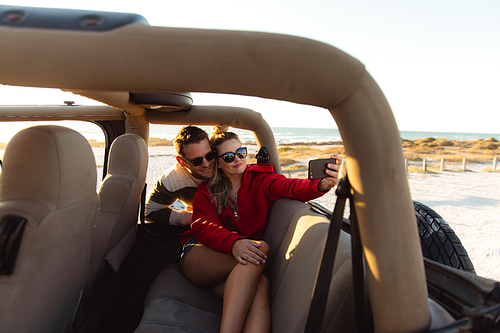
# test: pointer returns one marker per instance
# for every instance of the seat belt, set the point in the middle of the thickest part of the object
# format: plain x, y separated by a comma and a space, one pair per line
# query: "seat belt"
362, 310
322, 287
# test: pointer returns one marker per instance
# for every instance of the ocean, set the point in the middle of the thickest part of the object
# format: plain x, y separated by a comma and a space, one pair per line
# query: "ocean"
319, 135
282, 134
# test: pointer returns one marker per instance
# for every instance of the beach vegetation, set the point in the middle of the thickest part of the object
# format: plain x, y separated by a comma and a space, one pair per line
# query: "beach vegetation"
339, 150
424, 141
95, 144
299, 152
286, 161
485, 145
418, 169
411, 156
424, 150
480, 151
155, 142
444, 143
282, 150
476, 151
408, 143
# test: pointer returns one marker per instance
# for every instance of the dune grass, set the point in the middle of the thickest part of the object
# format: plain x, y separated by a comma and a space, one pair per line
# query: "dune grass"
296, 155
296, 158
476, 151
480, 151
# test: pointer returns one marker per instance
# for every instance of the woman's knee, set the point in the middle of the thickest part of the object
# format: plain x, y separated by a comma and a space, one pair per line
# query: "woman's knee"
264, 247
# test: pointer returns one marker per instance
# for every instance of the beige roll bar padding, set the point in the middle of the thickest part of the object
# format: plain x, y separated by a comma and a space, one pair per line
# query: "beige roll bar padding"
224, 115
142, 58
135, 122
59, 112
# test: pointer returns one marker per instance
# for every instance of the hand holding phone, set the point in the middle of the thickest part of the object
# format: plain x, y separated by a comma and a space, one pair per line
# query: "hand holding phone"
317, 168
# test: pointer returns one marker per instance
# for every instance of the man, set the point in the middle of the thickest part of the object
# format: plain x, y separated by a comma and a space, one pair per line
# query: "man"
195, 164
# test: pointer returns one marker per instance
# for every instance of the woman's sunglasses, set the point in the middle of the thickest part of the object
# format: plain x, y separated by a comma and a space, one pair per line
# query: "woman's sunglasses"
197, 161
229, 156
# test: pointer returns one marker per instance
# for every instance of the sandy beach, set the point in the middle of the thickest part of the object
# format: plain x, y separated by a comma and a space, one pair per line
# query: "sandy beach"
470, 203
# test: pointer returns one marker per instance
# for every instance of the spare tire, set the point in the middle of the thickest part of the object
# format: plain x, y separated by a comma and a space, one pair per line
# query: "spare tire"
438, 240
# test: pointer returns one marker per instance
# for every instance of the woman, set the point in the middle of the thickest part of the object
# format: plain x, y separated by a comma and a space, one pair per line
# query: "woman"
223, 250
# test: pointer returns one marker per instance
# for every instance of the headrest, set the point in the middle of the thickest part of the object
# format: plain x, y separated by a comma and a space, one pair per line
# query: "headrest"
128, 155
45, 164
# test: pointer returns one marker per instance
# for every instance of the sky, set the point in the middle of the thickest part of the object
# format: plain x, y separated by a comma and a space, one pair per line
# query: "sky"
437, 62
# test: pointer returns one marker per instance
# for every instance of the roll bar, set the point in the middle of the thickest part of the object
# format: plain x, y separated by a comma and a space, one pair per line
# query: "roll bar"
224, 115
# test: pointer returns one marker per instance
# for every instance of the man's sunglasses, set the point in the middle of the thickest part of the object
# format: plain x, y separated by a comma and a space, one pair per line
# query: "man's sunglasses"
197, 161
229, 156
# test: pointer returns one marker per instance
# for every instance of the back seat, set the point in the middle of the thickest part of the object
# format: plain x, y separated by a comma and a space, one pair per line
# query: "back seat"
296, 236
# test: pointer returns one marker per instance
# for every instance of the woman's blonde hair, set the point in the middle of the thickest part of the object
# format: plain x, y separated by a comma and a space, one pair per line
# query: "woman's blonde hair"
219, 186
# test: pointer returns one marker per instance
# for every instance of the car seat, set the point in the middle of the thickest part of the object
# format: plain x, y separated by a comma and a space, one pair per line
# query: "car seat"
115, 231
49, 201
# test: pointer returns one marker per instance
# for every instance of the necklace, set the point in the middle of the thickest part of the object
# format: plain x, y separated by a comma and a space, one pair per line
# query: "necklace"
235, 208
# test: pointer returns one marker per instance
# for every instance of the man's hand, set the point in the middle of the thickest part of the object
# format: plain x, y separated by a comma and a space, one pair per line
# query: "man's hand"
247, 250
180, 217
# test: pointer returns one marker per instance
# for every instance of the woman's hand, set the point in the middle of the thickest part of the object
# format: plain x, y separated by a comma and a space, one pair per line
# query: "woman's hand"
247, 250
332, 170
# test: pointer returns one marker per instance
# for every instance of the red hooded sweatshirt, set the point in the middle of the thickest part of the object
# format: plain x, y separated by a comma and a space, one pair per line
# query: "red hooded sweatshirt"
260, 188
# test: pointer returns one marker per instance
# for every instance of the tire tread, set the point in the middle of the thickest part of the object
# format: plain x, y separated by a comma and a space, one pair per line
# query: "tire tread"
438, 240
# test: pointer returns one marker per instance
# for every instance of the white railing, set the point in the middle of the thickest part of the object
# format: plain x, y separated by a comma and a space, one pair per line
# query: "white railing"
442, 164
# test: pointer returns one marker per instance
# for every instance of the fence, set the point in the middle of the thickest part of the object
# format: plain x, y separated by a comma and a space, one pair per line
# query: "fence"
290, 173
464, 164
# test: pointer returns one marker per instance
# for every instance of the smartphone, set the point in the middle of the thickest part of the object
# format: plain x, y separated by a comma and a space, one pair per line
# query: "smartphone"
317, 167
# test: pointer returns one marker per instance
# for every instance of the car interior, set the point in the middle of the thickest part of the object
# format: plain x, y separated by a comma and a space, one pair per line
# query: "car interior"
77, 259
118, 284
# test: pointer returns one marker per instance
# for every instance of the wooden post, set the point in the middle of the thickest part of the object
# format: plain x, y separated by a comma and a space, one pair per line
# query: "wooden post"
424, 164
494, 164
442, 164
464, 164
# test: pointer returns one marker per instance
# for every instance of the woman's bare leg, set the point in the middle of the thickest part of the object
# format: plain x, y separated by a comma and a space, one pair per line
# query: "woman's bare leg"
207, 268
259, 316
239, 294
219, 290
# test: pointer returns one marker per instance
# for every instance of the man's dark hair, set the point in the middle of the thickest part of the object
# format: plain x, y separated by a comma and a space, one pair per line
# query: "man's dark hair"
187, 135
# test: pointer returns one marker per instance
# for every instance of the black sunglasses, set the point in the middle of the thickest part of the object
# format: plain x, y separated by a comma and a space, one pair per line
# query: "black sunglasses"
197, 161
229, 156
